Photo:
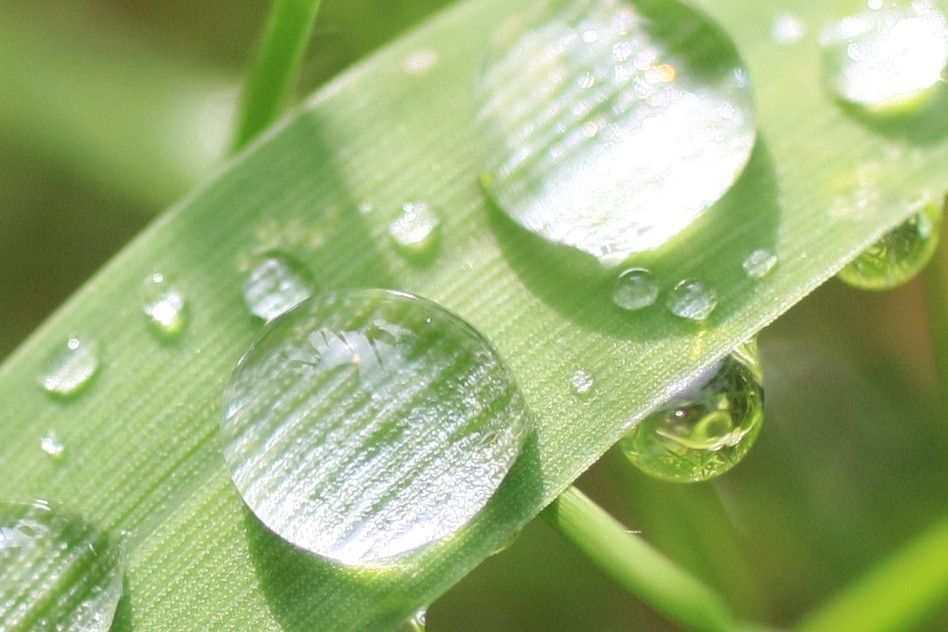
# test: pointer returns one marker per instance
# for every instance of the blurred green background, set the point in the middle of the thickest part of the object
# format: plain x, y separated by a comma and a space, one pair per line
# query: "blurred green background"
110, 110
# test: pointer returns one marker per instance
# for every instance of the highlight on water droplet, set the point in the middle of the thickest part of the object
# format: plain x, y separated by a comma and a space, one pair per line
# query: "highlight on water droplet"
883, 54
692, 300
367, 424
51, 445
164, 306
900, 255
787, 28
706, 428
635, 289
57, 571
417, 622
759, 263
582, 382
71, 368
415, 230
276, 285
611, 125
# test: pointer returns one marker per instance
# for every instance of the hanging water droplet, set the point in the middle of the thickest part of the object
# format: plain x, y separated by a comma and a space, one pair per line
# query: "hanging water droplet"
277, 285
71, 369
692, 300
582, 382
51, 445
610, 125
708, 427
787, 28
506, 544
417, 623
367, 424
415, 230
634, 289
759, 263
57, 571
164, 305
885, 53
901, 253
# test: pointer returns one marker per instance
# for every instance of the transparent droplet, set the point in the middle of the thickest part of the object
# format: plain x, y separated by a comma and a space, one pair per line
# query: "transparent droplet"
610, 125
885, 53
787, 28
277, 285
71, 368
901, 253
417, 622
367, 424
582, 382
57, 571
420, 61
759, 263
634, 289
692, 300
51, 445
415, 230
506, 544
706, 428
164, 305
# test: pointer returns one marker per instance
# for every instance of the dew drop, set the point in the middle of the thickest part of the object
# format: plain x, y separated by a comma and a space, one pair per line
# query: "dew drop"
901, 253
692, 300
635, 289
71, 368
51, 445
367, 424
611, 125
885, 54
582, 382
787, 28
164, 305
759, 263
415, 230
57, 571
277, 285
417, 622
708, 427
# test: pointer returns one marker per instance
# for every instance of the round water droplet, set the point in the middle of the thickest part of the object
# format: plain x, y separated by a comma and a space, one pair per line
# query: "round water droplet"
164, 305
368, 424
418, 622
582, 382
759, 263
900, 255
692, 300
415, 230
610, 125
277, 285
708, 427
634, 289
51, 445
71, 368
885, 53
57, 571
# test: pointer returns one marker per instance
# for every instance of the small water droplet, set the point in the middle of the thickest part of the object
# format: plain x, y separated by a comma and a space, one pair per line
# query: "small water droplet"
57, 571
506, 544
885, 54
759, 263
278, 284
611, 125
692, 300
71, 368
708, 427
415, 230
367, 424
164, 305
51, 445
418, 622
900, 255
787, 28
582, 382
634, 289
420, 61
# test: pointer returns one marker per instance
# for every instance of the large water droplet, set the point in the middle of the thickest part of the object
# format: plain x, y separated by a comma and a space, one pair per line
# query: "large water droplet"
367, 424
610, 125
57, 571
278, 284
71, 368
634, 289
51, 445
901, 253
415, 230
708, 427
417, 623
759, 263
692, 300
164, 305
885, 53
